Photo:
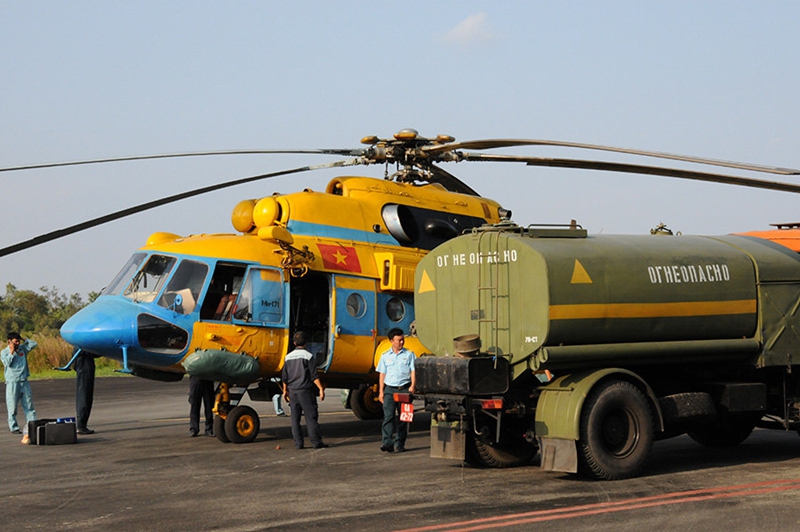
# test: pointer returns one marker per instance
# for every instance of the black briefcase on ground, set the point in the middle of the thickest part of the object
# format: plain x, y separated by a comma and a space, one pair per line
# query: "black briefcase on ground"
58, 433
33, 429
51, 432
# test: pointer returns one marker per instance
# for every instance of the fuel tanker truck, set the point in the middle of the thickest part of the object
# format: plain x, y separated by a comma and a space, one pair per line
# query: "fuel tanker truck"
588, 348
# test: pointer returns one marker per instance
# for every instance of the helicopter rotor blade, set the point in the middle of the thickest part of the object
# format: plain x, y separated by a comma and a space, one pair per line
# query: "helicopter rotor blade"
508, 143
638, 169
331, 151
48, 237
449, 181
418, 156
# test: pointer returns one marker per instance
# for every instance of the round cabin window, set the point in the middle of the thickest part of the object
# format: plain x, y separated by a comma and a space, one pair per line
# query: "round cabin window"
356, 306
395, 309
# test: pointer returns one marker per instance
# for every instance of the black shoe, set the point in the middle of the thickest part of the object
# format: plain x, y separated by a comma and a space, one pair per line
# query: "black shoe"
400, 449
85, 430
209, 433
298, 447
192, 433
321, 446
387, 448
16, 431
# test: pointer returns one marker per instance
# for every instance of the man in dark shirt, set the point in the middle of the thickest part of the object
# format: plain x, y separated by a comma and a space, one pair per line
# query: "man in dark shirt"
201, 391
84, 367
299, 376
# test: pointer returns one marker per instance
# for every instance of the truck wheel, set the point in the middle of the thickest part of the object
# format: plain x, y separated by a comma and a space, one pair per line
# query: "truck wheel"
511, 451
364, 402
499, 455
730, 431
616, 431
242, 424
219, 429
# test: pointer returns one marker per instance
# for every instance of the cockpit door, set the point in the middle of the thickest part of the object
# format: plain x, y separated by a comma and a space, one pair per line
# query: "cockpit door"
354, 325
262, 298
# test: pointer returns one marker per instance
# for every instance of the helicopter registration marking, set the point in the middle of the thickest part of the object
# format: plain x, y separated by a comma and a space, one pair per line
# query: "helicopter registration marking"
463, 259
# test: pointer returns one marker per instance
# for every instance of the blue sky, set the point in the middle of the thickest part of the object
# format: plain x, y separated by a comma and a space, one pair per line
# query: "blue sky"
101, 79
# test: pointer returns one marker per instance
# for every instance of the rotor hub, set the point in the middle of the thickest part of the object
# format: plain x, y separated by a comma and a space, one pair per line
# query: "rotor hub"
407, 150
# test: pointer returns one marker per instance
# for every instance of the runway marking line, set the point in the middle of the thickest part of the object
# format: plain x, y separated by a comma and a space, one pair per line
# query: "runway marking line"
617, 506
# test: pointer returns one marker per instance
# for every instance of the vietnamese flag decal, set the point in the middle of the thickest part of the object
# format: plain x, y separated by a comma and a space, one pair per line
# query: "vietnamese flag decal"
339, 258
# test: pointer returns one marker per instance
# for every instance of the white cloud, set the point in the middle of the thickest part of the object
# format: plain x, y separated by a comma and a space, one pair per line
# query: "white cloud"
472, 30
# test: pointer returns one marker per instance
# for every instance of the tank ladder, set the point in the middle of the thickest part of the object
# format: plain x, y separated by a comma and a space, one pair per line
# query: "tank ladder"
489, 263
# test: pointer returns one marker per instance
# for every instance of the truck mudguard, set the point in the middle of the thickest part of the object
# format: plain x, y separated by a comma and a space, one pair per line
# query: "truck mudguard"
558, 412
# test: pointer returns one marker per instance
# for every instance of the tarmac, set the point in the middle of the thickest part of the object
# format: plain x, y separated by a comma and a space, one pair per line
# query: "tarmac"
141, 471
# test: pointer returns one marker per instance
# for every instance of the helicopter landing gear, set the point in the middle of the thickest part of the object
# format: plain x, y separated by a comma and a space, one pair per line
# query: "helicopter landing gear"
234, 423
364, 402
242, 424
219, 429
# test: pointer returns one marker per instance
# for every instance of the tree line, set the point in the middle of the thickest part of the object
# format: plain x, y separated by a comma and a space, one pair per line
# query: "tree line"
42, 312
40, 315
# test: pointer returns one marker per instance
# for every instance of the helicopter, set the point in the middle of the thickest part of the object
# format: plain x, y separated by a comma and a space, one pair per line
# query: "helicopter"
337, 264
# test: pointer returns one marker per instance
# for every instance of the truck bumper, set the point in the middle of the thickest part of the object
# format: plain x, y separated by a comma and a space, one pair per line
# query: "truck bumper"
448, 439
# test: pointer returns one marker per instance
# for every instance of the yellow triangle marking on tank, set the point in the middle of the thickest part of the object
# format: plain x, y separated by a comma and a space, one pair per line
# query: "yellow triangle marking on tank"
425, 284
579, 275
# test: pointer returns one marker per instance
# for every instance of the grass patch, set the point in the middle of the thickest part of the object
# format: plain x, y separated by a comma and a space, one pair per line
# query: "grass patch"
56, 374
54, 352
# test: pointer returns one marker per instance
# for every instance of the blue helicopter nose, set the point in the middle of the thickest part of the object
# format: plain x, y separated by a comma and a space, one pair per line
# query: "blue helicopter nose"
102, 327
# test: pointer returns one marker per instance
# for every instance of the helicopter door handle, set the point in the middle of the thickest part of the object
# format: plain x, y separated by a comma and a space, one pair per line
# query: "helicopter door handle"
337, 331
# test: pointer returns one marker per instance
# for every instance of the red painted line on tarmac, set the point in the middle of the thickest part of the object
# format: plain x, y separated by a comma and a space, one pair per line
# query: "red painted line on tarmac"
617, 506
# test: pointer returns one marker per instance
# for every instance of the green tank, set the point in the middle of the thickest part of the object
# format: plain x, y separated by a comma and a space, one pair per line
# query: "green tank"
679, 333
557, 297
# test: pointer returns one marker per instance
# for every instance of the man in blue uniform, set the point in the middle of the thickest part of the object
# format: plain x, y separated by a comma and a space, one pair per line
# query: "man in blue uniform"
395, 374
299, 376
18, 389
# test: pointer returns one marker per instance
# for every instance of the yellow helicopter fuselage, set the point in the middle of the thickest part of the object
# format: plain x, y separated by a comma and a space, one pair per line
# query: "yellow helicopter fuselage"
337, 264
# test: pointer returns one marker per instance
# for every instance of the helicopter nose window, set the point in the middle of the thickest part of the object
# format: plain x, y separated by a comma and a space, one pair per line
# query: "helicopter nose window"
149, 280
183, 289
160, 336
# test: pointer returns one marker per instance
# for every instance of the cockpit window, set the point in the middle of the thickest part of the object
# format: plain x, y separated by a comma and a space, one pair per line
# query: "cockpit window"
223, 290
124, 276
183, 290
147, 283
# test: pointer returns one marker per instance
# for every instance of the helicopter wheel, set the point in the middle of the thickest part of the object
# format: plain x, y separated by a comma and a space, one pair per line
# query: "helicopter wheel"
219, 429
365, 404
242, 425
